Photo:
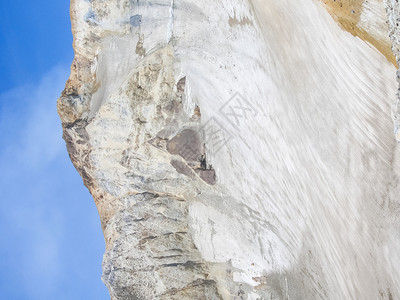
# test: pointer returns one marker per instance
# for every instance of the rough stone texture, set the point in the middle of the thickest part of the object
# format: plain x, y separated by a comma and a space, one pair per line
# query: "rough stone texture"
236, 149
393, 13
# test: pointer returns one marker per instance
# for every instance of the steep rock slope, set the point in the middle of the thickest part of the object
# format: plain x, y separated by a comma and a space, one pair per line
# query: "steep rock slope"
235, 150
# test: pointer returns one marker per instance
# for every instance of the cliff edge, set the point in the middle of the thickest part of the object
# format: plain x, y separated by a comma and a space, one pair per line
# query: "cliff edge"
239, 149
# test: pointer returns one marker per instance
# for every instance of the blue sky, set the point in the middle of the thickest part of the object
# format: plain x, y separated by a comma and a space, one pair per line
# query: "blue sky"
51, 239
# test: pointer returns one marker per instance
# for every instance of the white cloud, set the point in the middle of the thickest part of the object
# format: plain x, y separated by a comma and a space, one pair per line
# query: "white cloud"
51, 236
38, 136
29, 146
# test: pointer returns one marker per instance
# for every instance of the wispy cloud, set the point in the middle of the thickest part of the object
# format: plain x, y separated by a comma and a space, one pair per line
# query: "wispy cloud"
43, 202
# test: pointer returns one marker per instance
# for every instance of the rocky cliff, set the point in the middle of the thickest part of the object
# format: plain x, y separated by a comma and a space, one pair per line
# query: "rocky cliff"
239, 149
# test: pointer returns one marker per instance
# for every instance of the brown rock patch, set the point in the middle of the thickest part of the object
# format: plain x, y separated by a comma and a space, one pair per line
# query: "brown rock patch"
347, 14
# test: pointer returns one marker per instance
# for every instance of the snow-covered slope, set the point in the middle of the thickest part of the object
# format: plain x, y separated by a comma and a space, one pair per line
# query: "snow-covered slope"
235, 149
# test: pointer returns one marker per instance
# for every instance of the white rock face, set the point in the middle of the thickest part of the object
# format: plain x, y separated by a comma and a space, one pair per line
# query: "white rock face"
235, 149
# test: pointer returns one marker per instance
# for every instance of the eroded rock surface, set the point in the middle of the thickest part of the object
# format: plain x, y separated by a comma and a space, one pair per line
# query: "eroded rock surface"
238, 149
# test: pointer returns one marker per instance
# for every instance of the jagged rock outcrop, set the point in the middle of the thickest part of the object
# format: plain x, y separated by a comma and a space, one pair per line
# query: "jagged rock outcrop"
238, 149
